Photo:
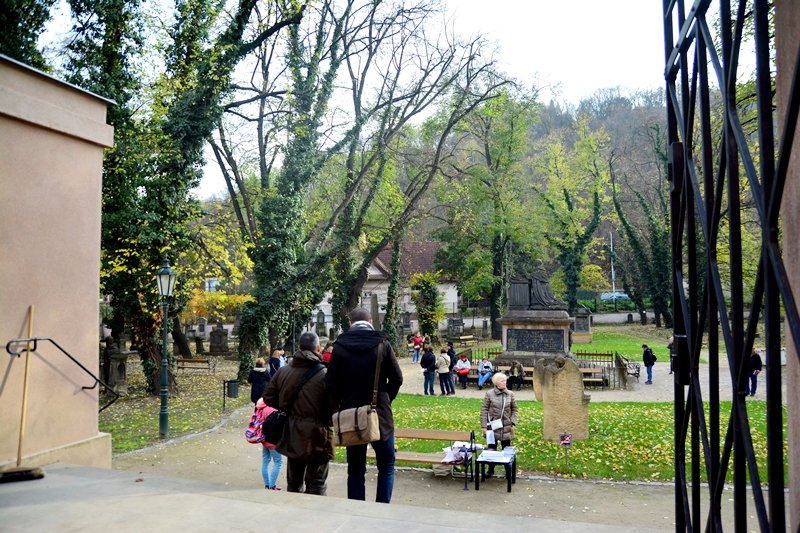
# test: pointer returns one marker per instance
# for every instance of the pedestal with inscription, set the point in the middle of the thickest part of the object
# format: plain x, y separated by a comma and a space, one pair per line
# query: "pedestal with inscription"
535, 327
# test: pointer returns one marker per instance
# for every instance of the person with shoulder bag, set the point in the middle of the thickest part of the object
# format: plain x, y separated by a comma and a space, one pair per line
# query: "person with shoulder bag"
499, 414
443, 369
298, 388
364, 366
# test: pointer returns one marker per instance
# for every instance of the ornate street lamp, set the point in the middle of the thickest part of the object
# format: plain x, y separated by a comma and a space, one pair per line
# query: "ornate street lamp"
166, 282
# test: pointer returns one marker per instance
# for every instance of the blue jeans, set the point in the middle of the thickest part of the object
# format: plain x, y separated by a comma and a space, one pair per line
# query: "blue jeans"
415, 356
649, 374
357, 470
270, 476
430, 378
483, 378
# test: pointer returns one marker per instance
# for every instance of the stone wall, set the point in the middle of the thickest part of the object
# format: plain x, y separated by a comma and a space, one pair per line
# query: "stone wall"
51, 157
787, 41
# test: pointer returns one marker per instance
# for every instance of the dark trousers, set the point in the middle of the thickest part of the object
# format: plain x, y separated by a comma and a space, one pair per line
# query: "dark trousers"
753, 383
445, 385
357, 470
514, 380
314, 473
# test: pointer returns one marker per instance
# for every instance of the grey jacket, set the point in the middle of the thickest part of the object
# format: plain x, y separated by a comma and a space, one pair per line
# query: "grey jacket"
500, 404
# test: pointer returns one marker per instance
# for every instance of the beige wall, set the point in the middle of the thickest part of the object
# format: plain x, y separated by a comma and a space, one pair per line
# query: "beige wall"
787, 40
51, 157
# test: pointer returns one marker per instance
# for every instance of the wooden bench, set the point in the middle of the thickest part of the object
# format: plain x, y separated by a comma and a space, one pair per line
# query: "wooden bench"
428, 434
594, 376
194, 364
527, 379
632, 368
465, 340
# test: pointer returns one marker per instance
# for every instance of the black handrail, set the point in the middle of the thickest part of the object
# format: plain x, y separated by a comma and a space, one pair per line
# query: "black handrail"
35, 340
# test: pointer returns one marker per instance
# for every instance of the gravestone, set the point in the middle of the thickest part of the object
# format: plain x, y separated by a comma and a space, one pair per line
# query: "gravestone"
219, 340
320, 324
455, 327
117, 366
202, 328
199, 348
566, 404
583, 326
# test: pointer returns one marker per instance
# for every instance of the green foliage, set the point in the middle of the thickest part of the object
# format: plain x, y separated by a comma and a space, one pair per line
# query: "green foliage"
575, 179
428, 300
22, 21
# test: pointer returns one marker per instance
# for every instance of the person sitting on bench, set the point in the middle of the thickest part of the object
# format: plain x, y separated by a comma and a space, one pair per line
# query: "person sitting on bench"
462, 368
485, 371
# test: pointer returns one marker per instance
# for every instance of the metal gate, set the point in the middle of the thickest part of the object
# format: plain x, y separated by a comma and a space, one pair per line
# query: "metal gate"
712, 169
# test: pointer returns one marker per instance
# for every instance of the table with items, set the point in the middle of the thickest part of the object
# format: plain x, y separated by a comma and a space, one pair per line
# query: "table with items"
507, 458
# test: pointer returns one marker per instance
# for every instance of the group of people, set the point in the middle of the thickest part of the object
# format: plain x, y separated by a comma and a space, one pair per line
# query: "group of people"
309, 391
441, 366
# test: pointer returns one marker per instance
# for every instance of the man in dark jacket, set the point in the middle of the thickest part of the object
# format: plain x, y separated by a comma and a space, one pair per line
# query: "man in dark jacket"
308, 440
649, 359
754, 369
350, 381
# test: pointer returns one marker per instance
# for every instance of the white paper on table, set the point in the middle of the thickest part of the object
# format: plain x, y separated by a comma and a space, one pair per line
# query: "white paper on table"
490, 437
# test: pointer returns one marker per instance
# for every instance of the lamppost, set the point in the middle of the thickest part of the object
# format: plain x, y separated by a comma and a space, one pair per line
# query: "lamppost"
166, 282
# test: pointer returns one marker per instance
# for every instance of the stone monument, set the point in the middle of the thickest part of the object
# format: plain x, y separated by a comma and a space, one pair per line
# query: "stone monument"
583, 326
536, 325
219, 340
566, 405
117, 366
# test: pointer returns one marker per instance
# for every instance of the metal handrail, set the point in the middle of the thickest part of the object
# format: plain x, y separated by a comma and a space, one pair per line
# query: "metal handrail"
10, 348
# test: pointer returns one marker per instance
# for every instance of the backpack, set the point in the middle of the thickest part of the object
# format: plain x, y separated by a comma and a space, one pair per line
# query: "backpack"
253, 433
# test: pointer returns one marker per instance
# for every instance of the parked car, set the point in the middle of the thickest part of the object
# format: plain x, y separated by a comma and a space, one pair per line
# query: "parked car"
613, 296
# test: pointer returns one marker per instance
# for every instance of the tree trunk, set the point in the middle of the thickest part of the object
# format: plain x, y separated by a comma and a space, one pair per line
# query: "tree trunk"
179, 339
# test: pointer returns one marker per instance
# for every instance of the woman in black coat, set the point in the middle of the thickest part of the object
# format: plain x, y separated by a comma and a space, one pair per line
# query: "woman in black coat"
258, 379
428, 364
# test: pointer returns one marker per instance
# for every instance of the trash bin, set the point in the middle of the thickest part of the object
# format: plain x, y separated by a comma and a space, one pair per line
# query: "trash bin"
232, 388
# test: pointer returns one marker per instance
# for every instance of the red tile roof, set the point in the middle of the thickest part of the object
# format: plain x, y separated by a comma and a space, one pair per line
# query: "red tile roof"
417, 257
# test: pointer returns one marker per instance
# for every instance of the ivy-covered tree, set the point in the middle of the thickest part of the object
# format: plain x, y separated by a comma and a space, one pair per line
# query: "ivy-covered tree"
575, 179
428, 300
148, 209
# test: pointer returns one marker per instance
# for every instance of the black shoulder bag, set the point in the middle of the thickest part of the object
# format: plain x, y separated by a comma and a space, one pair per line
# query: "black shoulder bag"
274, 426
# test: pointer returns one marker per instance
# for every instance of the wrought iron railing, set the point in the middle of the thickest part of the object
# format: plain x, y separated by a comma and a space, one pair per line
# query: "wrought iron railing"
709, 170
17, 347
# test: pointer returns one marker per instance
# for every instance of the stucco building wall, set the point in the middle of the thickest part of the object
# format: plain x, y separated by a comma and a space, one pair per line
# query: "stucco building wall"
51, 155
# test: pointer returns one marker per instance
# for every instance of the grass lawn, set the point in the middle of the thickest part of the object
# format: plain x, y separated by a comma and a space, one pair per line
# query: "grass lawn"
133, 419
627, 341
628, 440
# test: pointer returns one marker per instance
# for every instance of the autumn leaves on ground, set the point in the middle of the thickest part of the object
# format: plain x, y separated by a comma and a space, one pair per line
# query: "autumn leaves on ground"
628, 440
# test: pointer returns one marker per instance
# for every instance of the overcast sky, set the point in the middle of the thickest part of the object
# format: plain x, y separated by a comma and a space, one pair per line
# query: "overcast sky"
582, 44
